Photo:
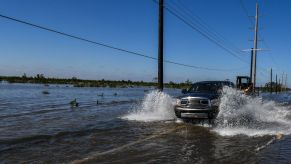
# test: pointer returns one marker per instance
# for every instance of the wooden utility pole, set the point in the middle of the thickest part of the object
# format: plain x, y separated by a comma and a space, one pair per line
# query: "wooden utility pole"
255, 48
271, 84
161, 46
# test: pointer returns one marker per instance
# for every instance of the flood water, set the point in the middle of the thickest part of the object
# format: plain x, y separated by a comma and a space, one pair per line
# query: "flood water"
137, 125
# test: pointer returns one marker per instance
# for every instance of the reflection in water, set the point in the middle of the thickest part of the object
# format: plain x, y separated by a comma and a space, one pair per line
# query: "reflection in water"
197, 146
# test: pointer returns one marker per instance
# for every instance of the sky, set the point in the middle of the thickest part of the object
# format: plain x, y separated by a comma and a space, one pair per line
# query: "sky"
133, 25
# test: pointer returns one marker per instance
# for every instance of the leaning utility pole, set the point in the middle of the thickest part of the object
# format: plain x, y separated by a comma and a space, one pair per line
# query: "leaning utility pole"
271, 84
161, 46
255, 49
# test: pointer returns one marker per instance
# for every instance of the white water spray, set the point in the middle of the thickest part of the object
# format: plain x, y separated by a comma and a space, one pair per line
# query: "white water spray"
241, 114
156, 106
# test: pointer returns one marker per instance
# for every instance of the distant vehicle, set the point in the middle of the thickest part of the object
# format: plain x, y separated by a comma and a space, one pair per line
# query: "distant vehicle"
201, 100
242, 82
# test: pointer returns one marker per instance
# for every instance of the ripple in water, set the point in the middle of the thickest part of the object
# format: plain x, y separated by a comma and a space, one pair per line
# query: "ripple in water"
241, 114
156, 106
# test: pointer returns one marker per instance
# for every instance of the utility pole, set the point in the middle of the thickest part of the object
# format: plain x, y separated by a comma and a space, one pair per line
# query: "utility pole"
286, 83
276, 85
255, 49
271, 84
251, 71
282, 82
280, 85
161, 46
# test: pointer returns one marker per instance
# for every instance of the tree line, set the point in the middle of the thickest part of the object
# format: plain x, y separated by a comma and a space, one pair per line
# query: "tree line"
76, 82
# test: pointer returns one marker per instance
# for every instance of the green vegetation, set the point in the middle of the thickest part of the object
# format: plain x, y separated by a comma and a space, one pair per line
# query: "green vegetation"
41, 79
279, 87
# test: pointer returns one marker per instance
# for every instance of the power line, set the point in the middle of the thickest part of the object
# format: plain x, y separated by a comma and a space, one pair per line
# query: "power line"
73, 36
259, 34
246, 12
107, 45
204, 25
252, 23
192, 26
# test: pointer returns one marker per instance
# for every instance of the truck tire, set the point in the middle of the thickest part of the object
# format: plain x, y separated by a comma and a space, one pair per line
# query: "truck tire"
178, 114
210, 115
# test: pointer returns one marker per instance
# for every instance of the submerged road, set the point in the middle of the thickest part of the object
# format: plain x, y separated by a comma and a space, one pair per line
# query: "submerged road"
38, 128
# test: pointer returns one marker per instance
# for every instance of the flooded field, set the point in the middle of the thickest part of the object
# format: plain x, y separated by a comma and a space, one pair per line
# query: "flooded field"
137, 125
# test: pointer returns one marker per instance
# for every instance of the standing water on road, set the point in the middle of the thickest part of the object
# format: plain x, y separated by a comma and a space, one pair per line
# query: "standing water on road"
132, 125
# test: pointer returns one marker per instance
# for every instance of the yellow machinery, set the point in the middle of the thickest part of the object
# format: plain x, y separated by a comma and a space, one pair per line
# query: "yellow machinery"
243, 82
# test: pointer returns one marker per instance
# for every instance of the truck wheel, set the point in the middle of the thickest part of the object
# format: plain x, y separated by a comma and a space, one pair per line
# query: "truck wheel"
210, 115
178, 114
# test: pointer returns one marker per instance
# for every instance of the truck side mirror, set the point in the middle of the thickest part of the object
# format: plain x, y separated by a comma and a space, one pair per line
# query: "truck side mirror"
184, 91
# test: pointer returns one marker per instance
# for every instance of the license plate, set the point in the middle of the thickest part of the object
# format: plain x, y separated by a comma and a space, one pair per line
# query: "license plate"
194, 115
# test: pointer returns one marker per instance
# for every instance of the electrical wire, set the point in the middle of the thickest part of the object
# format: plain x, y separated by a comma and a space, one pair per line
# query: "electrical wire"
204, 25
195, 28
252, 24
107, 45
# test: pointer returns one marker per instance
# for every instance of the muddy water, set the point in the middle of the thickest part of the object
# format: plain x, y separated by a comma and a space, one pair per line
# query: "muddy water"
137, 126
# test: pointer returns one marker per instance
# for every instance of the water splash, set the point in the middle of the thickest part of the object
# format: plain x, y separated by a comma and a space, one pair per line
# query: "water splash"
156, 106
241, 114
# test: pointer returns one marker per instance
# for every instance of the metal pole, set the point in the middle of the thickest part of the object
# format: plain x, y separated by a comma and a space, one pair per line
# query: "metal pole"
271, 84
251, 71
279, 89
276, 85
161, 46
255, 48
286, 83
282, 82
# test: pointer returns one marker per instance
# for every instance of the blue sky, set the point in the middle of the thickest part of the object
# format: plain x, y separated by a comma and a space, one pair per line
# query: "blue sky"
132, 25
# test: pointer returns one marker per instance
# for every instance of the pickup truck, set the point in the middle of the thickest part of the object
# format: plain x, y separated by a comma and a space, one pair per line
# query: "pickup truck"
201, 100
